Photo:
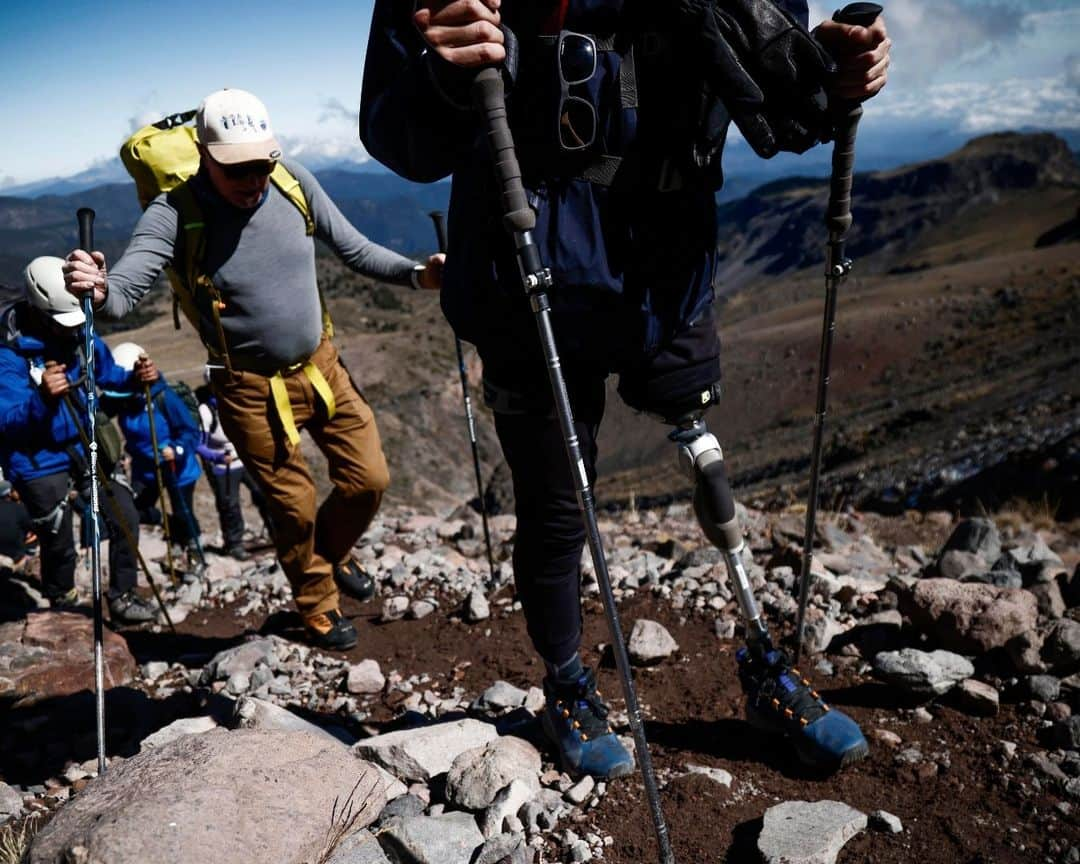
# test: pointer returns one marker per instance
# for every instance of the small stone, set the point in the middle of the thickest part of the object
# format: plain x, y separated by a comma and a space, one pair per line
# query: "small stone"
800, 832
154, 669
419, 609
394, 608
650, 643
885, 737
923, 673
500, 696
1044, 688
884, 821
365, 677
977, 698
238, 683
577, 793
476, 607
717, 775
922, 715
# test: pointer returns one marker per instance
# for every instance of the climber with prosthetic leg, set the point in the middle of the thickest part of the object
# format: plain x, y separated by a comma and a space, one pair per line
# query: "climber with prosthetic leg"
778, 698
604, 110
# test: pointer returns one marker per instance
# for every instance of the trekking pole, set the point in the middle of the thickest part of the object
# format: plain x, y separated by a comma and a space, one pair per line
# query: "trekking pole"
160, 483
189, 520
85, 217
114, 507
519, 221
440, 232
837, 267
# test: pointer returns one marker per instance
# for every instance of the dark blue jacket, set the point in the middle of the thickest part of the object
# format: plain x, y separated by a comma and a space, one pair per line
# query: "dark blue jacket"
36, 434
173, 425
655, 250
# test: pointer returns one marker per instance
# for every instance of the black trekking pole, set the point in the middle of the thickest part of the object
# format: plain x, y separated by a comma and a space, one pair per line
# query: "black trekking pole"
837, 267
519, 221
85, 218
118, 518
440, 233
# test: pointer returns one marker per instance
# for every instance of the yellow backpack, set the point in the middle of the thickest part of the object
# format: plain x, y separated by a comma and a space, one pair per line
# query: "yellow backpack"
161, 157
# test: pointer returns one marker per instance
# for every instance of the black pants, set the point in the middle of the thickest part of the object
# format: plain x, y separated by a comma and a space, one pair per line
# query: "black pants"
183, 526
42, 495
226, 488
550, 534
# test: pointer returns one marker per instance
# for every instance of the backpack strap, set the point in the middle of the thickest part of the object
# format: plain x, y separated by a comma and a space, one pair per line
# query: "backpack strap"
289, 186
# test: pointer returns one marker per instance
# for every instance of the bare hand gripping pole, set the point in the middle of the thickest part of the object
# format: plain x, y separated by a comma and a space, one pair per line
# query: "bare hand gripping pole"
519, 220
440, 233
85, 217
837, 267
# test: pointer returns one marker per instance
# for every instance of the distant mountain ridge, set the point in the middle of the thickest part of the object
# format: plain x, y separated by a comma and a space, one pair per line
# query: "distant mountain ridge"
899, 213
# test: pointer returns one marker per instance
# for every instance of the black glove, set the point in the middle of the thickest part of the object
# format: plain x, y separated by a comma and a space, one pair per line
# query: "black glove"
768, 70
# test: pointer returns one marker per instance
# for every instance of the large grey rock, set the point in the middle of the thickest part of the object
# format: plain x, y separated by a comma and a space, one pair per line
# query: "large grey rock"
178, 729
510, 799
977, 535
1044, 688
505, 849
11, 803
241, 659
252, 713
48, 655
477, 775
420, 754
1061, 650
923, 673
650, 643
969, 617
360, 847
450, 838
248, 795
801, 832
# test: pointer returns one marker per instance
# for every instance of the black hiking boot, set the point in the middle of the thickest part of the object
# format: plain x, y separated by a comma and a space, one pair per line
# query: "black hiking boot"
328, 630
353, 580
130, 608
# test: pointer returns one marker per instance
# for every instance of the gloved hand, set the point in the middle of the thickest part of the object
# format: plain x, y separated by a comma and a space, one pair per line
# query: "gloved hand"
769, 71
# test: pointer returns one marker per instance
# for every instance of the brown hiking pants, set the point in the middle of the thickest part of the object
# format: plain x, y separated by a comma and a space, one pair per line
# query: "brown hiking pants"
309, 542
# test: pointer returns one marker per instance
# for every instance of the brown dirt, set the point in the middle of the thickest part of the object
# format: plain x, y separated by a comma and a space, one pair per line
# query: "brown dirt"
967, 813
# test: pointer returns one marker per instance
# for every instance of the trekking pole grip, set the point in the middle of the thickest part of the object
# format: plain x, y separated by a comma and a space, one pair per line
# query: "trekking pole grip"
490, 98
439, 220
846, 124
86, 228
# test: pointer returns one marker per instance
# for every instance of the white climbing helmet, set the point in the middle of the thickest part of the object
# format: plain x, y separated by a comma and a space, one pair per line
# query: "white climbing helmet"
125, 354
46, 291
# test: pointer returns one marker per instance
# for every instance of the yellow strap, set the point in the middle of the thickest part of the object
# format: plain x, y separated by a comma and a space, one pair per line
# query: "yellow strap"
284, 409
322, 388
284, 406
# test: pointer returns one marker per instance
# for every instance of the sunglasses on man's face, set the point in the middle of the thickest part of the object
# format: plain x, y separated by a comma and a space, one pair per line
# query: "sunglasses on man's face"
244, 170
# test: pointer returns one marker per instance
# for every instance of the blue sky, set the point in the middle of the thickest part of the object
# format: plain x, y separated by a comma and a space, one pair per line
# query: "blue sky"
79, 76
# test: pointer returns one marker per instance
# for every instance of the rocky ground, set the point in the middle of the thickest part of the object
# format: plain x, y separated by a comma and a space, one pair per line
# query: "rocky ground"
956, 645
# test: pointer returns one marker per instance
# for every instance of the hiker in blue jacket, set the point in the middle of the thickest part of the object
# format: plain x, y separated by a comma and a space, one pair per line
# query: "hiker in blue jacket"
619, 111
177, 445
41, 365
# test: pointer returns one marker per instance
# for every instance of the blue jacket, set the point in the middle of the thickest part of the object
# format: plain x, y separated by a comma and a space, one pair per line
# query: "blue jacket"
173, 424
36, 434
655, 250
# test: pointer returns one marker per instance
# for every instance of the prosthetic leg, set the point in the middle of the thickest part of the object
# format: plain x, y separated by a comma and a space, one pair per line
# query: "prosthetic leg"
779, 698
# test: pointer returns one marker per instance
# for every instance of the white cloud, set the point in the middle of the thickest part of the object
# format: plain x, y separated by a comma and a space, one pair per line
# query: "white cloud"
982, 107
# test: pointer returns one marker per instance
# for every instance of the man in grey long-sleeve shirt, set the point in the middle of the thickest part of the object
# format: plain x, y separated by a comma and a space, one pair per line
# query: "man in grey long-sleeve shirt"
276, 370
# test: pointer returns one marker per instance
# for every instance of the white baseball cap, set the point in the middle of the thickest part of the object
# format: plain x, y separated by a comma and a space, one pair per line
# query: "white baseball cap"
234, 126
45, 289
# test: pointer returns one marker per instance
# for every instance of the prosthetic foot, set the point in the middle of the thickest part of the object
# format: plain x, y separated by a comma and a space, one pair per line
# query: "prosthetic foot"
778, 698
